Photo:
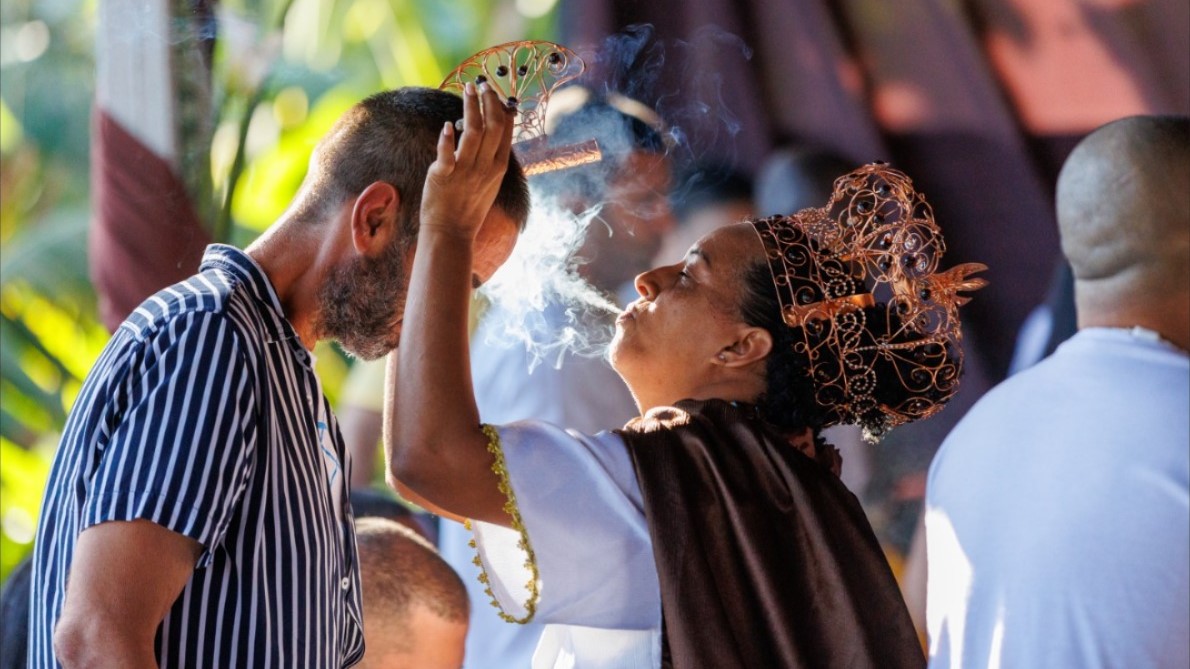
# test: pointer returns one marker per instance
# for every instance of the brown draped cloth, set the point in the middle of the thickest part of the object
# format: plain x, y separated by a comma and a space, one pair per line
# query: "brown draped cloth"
765, 558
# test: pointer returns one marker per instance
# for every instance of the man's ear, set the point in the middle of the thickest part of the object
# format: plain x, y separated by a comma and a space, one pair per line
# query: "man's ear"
753, 345
374, 218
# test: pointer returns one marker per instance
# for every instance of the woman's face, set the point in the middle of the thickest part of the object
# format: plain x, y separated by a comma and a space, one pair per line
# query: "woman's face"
668, 342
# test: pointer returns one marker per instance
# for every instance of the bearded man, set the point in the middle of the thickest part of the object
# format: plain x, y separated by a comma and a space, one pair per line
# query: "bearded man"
196, 511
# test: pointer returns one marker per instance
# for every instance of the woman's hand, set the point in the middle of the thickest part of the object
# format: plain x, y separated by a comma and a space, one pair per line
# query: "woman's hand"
462, 183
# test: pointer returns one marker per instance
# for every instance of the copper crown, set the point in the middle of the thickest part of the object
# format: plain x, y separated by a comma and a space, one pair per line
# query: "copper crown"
859, 280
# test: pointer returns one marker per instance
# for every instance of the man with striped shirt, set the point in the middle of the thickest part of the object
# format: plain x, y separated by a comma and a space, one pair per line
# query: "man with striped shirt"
196, 514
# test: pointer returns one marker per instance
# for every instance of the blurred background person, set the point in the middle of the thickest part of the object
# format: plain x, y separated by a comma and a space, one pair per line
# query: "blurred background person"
415, 605
628, 188
705, 196
1058, 519
794, 177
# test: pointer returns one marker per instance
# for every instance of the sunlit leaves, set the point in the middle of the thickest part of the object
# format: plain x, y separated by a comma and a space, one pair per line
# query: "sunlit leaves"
364, 18
47, 254
290, 107
70, 341
22, 480
10, 130
272, 177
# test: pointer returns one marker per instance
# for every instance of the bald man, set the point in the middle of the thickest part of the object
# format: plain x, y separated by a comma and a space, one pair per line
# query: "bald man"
1058, 511
415, 605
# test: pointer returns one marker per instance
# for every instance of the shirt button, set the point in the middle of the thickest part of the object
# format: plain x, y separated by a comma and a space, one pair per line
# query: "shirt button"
345, 583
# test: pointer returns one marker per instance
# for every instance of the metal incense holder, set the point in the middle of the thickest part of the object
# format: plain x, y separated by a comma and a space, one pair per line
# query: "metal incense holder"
525, 74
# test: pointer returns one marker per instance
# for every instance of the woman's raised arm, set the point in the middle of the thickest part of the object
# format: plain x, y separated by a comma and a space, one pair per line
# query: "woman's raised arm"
437, 452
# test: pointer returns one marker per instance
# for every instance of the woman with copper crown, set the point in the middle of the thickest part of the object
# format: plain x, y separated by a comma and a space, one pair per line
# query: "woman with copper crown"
713, 530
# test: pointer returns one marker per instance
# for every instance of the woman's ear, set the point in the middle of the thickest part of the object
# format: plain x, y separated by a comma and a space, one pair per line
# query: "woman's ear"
753, 345
374, 218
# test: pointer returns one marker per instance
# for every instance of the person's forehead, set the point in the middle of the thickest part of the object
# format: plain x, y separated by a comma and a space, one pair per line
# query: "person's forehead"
494, 243
737, 245
498, 228
726, 254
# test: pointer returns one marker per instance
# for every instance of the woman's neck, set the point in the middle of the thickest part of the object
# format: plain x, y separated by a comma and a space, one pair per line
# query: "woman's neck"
729, 390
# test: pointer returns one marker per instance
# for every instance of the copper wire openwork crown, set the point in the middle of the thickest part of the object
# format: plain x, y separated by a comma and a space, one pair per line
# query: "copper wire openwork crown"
525, 74
858, 280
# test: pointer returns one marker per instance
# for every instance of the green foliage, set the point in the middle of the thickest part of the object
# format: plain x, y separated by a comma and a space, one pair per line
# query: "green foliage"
21, 481
49, 336
297, 65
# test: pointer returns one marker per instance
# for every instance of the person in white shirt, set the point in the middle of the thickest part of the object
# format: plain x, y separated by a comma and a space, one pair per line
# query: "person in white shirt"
1058, 510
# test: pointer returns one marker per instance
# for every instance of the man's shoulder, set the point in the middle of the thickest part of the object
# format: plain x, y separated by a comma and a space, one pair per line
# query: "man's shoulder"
1074, 375
1017, 412
211, 295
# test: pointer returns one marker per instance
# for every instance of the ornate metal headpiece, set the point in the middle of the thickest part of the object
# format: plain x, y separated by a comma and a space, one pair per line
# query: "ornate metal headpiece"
859, 279
525, 74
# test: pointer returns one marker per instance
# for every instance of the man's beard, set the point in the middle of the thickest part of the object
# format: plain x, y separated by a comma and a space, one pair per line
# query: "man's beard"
361, 301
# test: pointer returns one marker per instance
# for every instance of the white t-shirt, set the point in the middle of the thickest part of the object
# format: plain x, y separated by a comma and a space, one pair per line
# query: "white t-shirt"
580, 501
336, 471
1058, 514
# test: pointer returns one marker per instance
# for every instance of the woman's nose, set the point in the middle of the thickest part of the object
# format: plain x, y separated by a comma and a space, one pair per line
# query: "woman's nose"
646, 284
651, 283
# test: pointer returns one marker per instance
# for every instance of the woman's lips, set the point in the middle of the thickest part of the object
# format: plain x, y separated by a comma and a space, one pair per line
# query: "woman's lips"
629, 313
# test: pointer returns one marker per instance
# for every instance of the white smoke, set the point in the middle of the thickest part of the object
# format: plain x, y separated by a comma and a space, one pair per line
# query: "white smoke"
539, 300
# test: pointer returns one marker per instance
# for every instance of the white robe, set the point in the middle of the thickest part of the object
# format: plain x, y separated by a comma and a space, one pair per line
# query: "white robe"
581, 506
583, 393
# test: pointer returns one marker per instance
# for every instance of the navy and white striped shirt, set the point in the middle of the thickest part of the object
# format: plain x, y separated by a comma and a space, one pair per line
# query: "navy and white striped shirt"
204, 415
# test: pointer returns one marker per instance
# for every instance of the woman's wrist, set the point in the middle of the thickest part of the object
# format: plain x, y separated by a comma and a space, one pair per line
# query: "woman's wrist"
445, 252
446, 232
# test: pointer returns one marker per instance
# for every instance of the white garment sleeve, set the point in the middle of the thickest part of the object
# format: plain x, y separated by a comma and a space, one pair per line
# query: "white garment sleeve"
581, 508
579, 392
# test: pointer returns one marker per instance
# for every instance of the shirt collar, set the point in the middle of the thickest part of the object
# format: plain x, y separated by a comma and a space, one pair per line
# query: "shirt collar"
240, 264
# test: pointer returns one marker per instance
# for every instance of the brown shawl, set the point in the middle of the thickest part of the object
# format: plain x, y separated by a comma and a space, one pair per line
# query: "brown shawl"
765, 558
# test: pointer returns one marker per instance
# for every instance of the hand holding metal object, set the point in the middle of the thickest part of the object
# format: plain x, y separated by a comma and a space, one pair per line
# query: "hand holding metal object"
524, 75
